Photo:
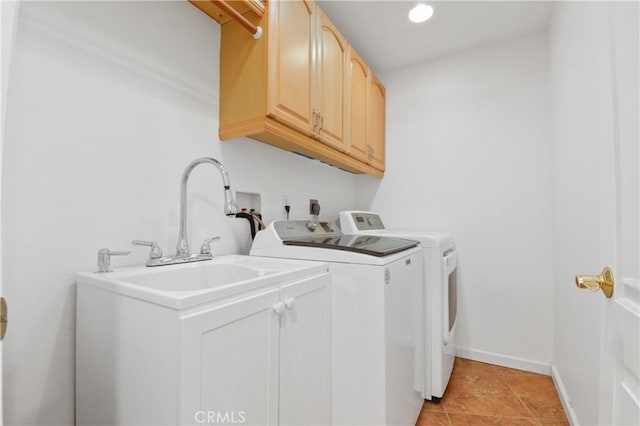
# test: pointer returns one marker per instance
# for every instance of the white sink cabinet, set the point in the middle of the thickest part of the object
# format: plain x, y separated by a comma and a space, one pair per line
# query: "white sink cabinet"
260, 356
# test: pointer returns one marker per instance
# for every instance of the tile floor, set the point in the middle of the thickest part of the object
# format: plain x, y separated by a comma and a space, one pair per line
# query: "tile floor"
485, 394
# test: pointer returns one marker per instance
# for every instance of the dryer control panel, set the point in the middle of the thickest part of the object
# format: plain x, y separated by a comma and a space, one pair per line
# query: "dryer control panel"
352, 221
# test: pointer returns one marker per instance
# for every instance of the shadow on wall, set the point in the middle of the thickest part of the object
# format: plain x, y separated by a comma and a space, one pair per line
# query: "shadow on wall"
274, 173
368, 188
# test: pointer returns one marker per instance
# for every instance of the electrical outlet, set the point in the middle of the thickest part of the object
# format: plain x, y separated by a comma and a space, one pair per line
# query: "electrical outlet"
314, 207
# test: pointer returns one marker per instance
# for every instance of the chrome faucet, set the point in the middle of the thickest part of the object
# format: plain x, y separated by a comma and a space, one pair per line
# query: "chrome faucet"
183, 254
230, 208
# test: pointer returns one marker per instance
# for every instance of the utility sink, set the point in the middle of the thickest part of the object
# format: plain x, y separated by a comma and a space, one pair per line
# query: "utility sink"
181, 286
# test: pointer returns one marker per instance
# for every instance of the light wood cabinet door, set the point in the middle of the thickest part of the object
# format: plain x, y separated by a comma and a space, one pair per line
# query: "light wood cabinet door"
230, 362
305, 353
357, 87
331, 66
291, 72
376, 123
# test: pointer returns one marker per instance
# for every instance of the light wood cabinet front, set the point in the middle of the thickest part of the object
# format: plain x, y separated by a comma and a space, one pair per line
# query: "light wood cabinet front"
331, 97
376, 123
299, 88
358, 86
291, 63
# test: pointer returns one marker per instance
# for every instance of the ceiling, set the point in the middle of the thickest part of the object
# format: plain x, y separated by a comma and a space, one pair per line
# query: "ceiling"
382, 34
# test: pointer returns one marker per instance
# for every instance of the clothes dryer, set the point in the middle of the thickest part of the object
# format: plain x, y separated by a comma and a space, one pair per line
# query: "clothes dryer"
439, 296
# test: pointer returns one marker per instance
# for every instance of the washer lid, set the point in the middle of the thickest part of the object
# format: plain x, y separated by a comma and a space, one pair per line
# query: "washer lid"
367, 244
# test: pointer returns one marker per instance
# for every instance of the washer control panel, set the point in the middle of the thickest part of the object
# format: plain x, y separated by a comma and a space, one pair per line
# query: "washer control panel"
288, 229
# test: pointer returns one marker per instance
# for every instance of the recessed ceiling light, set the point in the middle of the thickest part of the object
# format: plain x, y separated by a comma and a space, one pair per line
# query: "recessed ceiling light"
420, 13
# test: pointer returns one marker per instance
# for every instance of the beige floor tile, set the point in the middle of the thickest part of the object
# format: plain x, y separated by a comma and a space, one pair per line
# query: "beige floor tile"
467, 367
563, 422
538, 393
472, 420
482, 395
433, 406
433, 418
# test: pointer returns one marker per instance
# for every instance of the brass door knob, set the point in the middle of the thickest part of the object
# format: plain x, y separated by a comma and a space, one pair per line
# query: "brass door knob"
3, 317
603, 282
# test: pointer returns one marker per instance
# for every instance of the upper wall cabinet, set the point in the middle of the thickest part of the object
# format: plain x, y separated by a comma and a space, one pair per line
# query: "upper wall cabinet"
296, 88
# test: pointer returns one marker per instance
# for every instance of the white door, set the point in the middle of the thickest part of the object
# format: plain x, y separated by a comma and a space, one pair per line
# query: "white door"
620, 362
594, 74
305, 353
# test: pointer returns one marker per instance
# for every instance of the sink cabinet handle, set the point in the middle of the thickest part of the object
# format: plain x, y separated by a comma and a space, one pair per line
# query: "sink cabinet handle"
290, 302
279, 308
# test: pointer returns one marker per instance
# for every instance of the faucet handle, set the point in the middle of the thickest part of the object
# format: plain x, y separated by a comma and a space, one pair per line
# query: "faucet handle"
205, 248
155, 253
104, 258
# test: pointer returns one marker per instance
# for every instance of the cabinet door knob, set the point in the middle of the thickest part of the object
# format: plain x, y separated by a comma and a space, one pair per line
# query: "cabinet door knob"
279, 308
290, 302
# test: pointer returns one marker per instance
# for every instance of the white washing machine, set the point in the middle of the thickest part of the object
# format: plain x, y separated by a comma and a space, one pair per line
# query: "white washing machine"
439, 296
375, 283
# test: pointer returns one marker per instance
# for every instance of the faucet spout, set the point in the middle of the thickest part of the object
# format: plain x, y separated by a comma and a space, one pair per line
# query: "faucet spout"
230, 208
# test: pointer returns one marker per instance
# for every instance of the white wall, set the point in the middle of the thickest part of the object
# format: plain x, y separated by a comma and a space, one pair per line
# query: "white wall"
108, 102
574, 122
468, 152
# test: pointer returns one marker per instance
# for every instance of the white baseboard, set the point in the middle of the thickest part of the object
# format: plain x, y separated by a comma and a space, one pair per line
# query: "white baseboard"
564, 397
505, 360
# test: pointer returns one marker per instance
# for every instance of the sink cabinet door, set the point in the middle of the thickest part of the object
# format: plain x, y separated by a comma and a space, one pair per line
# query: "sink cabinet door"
230, 363
305, 353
